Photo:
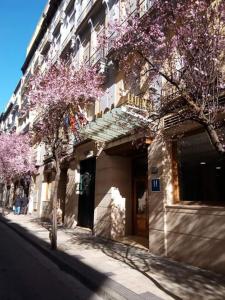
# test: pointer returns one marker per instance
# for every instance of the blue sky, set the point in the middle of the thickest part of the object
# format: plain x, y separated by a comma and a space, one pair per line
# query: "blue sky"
18, 19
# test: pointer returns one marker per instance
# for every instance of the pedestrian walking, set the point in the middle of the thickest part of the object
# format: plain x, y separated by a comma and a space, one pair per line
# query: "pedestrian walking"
18, 205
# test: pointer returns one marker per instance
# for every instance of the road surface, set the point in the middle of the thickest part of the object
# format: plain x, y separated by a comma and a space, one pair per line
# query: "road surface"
26, 274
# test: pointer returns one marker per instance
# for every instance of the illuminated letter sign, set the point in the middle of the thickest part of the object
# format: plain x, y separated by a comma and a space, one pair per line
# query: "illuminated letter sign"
156, 185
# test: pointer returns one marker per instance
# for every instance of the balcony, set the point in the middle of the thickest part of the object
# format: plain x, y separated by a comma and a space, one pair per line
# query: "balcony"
48, 157
111, 41
84, 12
11, 126
71, 20
57, 21
98, 58
22, 114
37, 163
145, 6
57, 42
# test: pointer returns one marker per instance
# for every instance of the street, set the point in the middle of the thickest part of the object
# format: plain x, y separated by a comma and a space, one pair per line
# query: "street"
26, 274
112, 152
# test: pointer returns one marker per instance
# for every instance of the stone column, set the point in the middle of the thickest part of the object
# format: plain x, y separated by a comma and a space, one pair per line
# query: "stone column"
31, 196
118, 210
159, 163
113, 205
72, 195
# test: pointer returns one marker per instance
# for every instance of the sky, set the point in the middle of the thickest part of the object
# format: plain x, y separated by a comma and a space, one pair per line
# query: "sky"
18, 19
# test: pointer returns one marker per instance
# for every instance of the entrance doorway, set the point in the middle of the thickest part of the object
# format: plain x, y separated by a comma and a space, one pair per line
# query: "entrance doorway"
141, 207
140, 197
87, 193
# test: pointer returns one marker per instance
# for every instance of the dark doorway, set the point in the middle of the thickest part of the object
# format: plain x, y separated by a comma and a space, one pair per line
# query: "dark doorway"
140, 196
87, 193
141, 207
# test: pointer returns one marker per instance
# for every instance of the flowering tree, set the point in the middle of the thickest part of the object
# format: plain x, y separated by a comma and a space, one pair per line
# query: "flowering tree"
15, 157
177, 49
54, 95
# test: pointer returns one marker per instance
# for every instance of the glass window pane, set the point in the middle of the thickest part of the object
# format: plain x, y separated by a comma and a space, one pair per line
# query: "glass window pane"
201, 170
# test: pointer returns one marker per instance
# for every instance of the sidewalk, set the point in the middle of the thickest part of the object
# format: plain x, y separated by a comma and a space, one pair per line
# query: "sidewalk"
125, 272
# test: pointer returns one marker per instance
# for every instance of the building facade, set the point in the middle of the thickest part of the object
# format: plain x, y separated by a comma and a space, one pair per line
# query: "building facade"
115, 180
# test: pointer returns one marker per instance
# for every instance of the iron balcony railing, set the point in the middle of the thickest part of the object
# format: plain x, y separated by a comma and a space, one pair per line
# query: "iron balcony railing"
97, 56
84, 12
143, 8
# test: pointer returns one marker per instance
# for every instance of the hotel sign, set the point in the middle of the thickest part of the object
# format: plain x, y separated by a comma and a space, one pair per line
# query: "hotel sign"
131, 100
155, 185
137, 101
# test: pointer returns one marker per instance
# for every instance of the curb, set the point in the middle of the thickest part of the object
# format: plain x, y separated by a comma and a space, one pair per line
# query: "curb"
92, 279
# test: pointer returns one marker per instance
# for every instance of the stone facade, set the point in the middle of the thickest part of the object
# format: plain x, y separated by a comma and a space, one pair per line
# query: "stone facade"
187, 232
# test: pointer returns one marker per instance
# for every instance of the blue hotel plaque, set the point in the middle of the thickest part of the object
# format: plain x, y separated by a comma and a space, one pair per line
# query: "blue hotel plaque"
156, 185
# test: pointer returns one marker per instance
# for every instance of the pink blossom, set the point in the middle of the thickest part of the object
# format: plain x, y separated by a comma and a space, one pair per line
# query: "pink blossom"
15, 156
60, 90
181, 42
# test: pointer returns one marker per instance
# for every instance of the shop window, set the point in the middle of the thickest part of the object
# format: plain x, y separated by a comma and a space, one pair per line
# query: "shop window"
201, 170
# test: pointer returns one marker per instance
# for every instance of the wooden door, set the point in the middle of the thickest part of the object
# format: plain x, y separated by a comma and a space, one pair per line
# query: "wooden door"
141, 207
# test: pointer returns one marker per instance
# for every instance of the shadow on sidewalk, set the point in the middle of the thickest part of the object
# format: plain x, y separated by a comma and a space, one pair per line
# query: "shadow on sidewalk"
69, 264
177, 280
192, 281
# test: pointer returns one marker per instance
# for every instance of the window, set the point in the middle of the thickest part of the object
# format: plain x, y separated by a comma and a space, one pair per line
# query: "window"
70, 12
70, 8
86, 51
131, 6
201, 170
77, 52
57, 34
46, 48
67, 51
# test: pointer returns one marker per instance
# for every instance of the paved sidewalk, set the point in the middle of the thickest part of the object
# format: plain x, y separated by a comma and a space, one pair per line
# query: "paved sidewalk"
121, 271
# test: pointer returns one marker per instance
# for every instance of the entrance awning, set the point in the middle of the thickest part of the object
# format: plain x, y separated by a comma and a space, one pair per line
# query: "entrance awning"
116, 123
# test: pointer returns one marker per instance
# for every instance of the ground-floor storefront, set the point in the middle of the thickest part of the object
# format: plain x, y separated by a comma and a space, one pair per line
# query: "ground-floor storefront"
167, 195
187, 217
16, 193
109, 190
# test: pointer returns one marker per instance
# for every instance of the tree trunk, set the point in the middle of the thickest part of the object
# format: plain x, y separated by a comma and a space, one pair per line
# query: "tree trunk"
5, 197
214, 138
54, 207
3, 203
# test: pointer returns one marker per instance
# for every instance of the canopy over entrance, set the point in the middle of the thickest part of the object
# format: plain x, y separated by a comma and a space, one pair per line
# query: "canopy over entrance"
116, 123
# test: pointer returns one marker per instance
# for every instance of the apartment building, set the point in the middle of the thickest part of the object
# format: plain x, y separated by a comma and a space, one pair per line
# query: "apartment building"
71, 28
8, 124
14, 119
116, 181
